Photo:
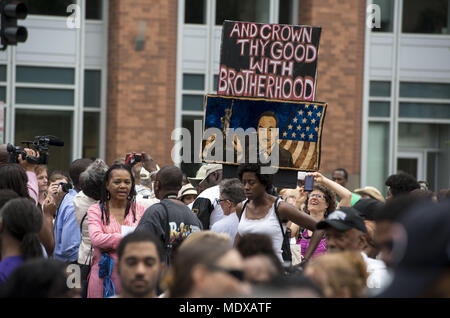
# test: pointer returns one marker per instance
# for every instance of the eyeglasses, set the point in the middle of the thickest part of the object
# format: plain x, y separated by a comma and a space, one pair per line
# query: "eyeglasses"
316, 195
236, 273
218, 200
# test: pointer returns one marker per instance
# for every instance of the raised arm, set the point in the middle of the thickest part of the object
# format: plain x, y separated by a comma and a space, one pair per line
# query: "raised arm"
343, 193
288, 212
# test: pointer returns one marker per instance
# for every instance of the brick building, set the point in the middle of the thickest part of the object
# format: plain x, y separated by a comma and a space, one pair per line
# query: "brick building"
136, 69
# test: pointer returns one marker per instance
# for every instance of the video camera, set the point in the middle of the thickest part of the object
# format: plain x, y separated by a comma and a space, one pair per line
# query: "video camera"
40, 144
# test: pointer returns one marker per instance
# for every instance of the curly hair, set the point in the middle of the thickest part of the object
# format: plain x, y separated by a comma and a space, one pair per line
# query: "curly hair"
330, 197
401, 183
264, 179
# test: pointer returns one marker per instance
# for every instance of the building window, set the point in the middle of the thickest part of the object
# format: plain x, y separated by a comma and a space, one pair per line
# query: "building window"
238, 10
380, 100
94, 9
92, 88
286, 12
3, 94
46, 7
44, 96
379, 109
53, 75
194, 82
424, 110
195, 11
31, 123
192, 102
379, 88
91, 135
2, 73
424, 151
425, 90
386, 15
190, 168
378, 155
429, 16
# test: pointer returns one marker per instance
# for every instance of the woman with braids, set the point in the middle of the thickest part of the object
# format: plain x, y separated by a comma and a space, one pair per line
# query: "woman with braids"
107, 221
20, 223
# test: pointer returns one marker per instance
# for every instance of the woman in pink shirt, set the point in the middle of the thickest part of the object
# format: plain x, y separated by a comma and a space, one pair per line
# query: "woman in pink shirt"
106, 220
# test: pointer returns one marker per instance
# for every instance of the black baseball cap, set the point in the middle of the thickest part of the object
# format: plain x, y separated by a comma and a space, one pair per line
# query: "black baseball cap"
343, 219
367, 208
425, 249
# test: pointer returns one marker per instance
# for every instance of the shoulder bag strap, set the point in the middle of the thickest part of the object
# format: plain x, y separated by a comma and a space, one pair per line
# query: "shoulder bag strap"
278, 216
167, 230
243, 209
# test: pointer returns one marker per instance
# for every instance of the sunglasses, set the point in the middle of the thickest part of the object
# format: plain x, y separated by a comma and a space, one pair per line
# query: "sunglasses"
236, 273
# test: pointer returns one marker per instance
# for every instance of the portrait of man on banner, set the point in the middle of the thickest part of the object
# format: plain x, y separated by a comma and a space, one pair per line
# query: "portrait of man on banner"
283, 134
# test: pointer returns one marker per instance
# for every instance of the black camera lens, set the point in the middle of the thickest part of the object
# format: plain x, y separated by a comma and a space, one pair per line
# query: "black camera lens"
65, 186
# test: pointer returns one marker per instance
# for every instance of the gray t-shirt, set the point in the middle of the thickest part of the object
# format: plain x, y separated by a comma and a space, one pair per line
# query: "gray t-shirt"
177, 220
228, 225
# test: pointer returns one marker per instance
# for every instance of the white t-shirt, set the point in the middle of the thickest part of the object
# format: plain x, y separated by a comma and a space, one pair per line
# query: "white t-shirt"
379, 277
212, 194
228, 225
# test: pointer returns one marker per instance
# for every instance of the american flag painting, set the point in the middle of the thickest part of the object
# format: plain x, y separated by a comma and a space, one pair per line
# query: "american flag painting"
301, 136
299, 123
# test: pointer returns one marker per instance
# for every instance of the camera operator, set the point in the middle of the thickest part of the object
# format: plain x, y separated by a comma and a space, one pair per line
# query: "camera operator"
33, 188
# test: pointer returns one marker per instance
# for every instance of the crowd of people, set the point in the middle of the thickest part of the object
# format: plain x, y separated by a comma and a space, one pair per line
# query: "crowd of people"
140, 230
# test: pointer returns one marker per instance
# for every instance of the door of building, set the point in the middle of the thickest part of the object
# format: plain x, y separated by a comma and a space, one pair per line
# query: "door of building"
412, 162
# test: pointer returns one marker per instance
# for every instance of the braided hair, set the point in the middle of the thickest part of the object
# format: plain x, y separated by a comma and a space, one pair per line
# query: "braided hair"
105, 195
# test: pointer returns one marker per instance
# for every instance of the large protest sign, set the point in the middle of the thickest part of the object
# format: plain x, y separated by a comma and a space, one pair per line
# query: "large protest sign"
284, 134
269, 61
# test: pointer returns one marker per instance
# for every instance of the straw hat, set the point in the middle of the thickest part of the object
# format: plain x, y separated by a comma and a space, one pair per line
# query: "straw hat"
204, 172
186, 190
372, 192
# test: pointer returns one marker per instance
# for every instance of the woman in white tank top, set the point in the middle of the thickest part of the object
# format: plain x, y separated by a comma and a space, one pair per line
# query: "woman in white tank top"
259, 213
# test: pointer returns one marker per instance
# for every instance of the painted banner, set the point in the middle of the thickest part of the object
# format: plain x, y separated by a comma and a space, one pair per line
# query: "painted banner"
284, 134
271, 61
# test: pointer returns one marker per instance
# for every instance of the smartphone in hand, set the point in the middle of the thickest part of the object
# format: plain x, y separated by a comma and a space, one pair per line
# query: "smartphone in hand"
309, 181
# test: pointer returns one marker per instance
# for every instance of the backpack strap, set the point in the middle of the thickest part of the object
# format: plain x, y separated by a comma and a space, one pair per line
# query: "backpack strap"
167, 245
243, 209
278, 216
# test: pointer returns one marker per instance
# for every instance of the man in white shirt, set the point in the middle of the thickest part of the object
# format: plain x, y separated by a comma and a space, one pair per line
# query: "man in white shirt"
345, 230
231, 194
206, 207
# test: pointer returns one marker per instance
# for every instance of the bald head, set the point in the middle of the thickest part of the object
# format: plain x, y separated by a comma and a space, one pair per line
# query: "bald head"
169, 179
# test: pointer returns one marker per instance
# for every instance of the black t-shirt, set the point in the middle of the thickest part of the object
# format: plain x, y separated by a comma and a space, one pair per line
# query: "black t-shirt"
174, 221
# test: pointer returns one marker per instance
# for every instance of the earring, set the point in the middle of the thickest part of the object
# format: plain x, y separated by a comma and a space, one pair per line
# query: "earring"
129, 197
108, 195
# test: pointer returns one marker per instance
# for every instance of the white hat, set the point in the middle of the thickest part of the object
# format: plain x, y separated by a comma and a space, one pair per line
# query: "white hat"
185, 190
204, 172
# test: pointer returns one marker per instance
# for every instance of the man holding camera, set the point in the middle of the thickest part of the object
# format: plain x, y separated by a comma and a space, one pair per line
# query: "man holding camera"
66, 229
